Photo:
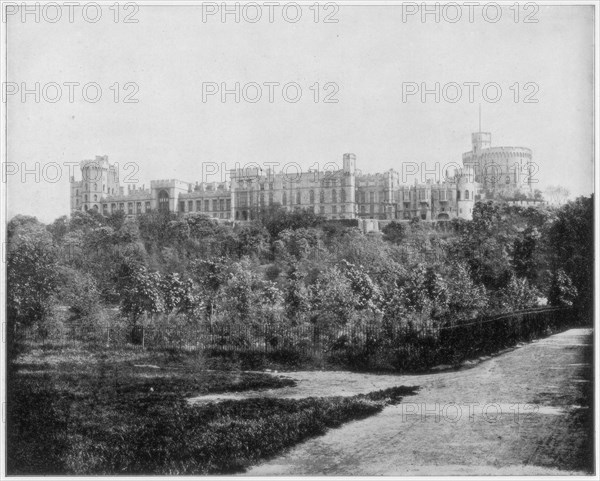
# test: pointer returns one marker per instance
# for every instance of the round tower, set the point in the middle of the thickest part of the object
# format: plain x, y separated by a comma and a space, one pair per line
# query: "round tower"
465, 193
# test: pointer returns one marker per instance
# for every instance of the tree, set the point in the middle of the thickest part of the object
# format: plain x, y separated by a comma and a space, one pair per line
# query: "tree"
394, 232
562, 292
517, 295
31, 275
140, 292
571, 245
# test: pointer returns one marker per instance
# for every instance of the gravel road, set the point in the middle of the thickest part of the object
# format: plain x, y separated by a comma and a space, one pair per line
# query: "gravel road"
524, 412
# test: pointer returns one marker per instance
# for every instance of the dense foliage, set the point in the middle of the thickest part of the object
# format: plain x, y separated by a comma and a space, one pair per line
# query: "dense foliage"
291, 269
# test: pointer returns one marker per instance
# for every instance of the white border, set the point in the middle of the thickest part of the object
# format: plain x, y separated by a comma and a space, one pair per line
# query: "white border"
3, 221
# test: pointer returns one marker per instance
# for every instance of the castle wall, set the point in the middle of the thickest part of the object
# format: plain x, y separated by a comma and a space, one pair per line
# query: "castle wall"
340, 194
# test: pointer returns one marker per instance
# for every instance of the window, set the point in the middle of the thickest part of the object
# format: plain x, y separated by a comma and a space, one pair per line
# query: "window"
130, 208
95, 186
322, 209
262, 200
190, 206
372, 197
362, 209
284, 199
458, 195
298, 198
163, 201
270, 198
343, 195
206, 205
147, 207
334, 196
228, 204
138, 207
198, 205
121, 206
262, 186
271, 186
422, 194
221, 204
322, 196
77, 192
104, 207
508, 179
311, 196
443, 195
466, 195
334, 209
85, 198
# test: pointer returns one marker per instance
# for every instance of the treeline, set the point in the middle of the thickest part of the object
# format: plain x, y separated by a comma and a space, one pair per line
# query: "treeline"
287, 269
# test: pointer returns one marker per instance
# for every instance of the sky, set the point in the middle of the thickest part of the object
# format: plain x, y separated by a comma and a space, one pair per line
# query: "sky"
368, 62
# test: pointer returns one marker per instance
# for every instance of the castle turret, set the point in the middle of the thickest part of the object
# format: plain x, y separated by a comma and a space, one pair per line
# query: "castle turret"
465, 192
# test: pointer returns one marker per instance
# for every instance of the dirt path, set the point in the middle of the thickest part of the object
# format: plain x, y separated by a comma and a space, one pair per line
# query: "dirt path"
524, 412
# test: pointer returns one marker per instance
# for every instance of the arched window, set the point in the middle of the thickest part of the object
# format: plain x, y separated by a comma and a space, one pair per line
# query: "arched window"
284, 199
312, 196
298, 198
334, 196
343, 195
322, 196
163, 201
466, 195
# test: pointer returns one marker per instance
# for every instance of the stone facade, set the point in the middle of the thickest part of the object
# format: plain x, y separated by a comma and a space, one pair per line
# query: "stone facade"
500, 170
336, 194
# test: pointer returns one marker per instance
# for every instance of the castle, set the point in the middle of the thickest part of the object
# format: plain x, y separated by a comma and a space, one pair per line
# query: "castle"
339, 194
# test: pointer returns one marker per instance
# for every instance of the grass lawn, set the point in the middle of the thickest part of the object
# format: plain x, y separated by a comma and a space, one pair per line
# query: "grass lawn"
72, 411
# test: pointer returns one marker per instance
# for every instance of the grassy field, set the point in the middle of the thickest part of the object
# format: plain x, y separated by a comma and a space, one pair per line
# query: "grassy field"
79, 412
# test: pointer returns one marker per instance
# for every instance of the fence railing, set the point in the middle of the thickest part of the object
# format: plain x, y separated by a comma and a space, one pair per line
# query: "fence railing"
401, 345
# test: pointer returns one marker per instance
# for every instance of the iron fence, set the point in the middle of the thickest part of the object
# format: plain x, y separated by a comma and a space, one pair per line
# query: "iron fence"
404, 346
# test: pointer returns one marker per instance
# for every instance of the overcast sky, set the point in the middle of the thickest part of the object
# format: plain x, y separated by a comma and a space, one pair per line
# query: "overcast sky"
367, 57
